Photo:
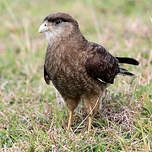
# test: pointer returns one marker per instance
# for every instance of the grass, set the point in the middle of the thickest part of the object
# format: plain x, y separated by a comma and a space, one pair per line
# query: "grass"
30, 119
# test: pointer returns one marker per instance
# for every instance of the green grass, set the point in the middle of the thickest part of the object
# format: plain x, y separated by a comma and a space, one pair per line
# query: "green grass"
30, 119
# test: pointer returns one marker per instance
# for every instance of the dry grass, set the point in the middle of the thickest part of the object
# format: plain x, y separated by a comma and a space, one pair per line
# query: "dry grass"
30, 117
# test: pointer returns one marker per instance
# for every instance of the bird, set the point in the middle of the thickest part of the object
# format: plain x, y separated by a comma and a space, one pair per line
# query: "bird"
79, 69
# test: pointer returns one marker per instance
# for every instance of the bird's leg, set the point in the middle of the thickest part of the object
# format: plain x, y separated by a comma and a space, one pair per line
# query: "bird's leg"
90, 117
70, 119
71, 104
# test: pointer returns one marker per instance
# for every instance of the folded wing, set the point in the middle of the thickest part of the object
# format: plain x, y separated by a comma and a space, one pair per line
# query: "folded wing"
102, 65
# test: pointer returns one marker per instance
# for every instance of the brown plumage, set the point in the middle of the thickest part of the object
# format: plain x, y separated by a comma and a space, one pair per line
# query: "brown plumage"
80, 70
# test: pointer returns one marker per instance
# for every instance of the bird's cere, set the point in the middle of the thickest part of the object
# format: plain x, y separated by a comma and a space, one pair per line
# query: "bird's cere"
43, 28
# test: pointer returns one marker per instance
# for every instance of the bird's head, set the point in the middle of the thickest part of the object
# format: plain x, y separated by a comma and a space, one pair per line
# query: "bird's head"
58, 25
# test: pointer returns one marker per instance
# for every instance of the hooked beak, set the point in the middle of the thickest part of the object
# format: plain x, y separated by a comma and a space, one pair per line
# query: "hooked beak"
43, 28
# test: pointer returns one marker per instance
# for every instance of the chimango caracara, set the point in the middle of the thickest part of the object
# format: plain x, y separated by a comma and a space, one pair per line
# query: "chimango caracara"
80, 70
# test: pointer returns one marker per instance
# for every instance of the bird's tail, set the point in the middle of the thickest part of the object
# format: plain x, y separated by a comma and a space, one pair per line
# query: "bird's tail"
125, 72
127, 60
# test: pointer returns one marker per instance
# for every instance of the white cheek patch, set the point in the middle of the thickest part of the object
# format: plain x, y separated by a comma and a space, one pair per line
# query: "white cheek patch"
53, 34
48, 35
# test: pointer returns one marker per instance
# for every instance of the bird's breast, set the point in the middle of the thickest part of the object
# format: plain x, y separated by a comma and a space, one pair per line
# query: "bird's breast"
68, 73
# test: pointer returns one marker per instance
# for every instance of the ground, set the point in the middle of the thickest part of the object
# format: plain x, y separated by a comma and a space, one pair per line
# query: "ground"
30, 119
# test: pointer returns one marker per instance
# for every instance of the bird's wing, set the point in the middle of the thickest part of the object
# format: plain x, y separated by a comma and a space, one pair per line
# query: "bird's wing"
102, 65
46, 76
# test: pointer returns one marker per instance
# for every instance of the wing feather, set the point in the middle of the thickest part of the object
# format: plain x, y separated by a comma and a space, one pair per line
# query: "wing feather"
46, 76
102, 65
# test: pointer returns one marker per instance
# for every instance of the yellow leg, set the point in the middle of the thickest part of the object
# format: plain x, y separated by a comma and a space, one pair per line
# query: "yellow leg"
70, 120
90, 118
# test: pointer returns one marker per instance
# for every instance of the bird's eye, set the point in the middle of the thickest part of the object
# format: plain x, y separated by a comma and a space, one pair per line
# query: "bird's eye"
58, 21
